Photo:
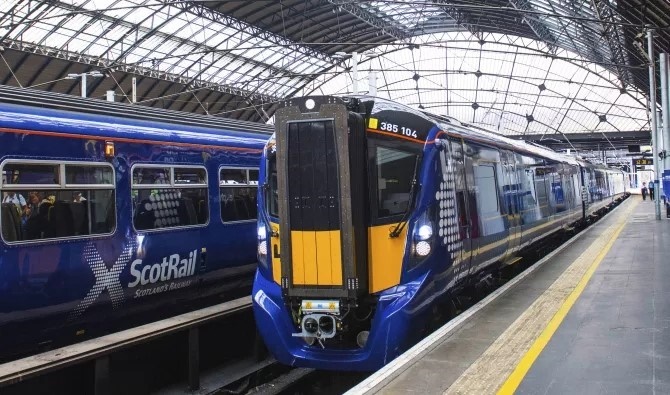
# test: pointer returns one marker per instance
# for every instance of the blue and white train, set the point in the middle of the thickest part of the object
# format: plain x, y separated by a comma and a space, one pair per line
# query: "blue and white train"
113, 212
372, 214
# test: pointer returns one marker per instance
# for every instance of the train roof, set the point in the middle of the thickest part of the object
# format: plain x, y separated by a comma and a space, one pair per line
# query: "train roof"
44, 111
472, 132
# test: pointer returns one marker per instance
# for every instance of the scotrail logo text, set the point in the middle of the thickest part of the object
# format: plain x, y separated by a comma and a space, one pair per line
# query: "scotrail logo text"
172, 267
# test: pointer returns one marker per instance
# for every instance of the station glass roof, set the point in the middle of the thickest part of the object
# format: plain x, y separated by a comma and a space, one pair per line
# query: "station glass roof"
520, 67
508, 84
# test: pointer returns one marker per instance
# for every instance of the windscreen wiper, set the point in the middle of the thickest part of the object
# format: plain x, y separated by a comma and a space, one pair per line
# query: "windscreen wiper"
403, 221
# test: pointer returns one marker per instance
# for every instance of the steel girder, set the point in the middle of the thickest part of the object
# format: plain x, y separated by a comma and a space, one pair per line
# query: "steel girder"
111, 65
614, 37
199, 9
542, 32
386, 26
462, 18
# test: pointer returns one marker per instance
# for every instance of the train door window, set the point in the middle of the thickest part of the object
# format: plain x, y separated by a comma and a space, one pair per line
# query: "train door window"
460, 187
487, 199
44, 200
540, 182
577, 188
485, 180
238, 189
169, 196
557, 195
602, 183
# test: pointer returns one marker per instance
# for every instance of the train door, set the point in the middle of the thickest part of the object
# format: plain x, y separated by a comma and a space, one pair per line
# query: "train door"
463, 208
584, 192
512, 190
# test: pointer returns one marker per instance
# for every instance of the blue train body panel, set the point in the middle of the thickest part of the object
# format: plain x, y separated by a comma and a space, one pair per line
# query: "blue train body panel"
55, 287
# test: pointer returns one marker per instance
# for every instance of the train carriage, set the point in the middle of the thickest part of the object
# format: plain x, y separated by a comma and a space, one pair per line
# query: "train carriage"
373, 213
113, 214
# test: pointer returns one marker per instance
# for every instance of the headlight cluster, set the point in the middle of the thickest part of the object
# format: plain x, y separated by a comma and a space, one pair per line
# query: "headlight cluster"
423, 236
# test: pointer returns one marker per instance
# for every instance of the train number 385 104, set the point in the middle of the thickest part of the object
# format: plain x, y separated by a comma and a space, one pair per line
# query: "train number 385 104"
393, 128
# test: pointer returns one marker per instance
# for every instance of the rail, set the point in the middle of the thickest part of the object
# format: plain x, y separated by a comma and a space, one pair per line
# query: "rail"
100, 348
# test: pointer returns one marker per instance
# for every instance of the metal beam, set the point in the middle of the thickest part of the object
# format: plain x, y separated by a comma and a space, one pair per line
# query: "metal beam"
462, 18
631, 134
614, 36
199, 9
542, 32
385, 25
197, 47
586, 141
110, 65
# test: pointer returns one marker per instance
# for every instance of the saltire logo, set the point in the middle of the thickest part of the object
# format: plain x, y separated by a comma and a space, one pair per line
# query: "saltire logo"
105, 279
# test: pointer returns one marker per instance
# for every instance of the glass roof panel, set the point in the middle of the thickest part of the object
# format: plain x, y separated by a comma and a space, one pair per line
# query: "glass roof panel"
404, 13
499, 85
168, 38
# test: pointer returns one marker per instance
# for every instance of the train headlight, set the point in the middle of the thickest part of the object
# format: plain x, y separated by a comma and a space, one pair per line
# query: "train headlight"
262, 242
263, 249
422, 248
425, 232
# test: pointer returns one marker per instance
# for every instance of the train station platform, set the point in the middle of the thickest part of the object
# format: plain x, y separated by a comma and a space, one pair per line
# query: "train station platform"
592, 317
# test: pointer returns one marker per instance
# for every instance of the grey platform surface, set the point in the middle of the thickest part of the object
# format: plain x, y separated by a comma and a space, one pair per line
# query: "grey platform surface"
615, 339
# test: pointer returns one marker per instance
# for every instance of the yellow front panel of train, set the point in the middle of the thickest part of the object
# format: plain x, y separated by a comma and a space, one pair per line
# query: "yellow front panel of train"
385, 256
316, 257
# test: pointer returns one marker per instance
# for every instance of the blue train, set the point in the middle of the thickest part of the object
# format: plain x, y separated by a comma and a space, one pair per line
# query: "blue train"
111, 213
372, 214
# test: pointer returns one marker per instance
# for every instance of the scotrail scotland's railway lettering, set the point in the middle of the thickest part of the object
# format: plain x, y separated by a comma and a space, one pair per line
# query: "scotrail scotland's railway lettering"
375, 216
162, 288
172, 267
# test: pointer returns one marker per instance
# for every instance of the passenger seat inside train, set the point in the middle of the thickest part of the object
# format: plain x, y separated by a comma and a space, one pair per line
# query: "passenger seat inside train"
11, 223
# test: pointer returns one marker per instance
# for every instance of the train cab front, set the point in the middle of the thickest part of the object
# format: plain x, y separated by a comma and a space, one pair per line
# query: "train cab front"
335, 209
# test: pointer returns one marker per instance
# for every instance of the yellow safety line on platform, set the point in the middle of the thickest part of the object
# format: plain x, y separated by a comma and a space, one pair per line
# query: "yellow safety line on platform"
514, 380
537, 324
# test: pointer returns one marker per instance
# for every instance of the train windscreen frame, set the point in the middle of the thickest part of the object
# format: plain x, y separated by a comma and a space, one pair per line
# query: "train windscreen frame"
392, 169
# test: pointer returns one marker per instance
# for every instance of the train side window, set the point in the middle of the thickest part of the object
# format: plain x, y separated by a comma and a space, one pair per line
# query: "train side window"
167, 197
234, 177
45, 200
151, 175
21, 173
238, 189
88, 174
190, 176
